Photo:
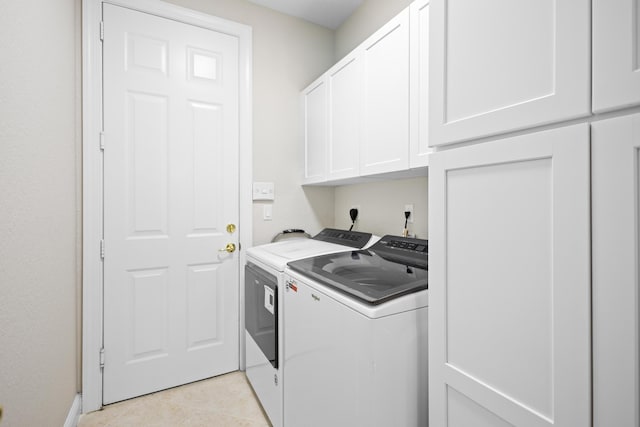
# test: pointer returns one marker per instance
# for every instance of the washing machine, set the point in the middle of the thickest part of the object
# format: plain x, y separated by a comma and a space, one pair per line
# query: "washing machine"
355, 330
264, 309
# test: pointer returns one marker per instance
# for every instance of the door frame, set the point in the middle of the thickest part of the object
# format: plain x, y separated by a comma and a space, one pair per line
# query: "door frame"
92, 171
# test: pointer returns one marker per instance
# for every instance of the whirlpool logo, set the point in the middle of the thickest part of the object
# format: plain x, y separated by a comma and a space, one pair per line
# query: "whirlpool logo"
292, 286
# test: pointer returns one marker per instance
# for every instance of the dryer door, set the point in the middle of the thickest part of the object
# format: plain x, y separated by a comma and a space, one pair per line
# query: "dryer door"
261, 310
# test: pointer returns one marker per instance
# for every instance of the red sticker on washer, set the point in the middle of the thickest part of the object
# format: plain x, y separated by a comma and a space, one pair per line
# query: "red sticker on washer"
293, 287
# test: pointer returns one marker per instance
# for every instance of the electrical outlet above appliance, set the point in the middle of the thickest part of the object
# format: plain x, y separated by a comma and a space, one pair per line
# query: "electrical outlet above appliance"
409, 208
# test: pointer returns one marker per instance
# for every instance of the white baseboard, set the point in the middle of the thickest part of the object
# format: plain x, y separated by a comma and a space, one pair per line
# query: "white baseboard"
74, 412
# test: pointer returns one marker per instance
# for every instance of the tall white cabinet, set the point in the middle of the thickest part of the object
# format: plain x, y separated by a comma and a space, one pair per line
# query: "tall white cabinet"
509, 280
616, 263
534, 221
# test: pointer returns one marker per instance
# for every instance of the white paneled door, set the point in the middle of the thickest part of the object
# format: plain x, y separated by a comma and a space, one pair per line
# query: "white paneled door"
509, 282
170, 189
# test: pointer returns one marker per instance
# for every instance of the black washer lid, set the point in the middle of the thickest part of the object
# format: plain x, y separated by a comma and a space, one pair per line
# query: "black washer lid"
387, 270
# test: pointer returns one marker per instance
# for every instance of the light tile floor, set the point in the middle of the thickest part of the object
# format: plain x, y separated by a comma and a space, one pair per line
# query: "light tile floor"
227, 400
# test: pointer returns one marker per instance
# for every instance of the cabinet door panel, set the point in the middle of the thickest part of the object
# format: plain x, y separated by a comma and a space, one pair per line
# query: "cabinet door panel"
385, 108
344, 81
616, 254
419, 43
500, 66
616, 54
314, 107
509, 280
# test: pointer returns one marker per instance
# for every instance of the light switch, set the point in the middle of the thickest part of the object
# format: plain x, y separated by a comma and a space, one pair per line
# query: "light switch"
263, 191
267, 212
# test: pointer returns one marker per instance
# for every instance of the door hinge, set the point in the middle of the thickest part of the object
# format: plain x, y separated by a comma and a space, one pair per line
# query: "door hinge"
102, 141
101, 31
102, 358
101, 248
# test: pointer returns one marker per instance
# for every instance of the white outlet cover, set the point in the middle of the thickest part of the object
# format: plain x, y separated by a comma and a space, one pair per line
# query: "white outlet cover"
409, 207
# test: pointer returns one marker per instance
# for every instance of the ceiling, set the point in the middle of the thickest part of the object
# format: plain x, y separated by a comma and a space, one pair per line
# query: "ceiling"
328, 13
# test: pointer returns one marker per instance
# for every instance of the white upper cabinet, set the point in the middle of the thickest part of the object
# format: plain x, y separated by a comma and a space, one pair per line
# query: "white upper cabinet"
368, 115
615, 157
419, 84
385, 109
345, 93
314, 108
616, 54
509, 282
503, 65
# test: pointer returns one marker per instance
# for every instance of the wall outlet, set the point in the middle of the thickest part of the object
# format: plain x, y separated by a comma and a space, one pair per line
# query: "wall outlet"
409, 208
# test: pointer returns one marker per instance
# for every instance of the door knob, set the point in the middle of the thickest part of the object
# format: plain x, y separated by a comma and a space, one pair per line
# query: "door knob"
231, 247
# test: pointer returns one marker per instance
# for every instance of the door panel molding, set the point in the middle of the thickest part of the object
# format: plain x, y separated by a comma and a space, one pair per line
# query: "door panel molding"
92, 287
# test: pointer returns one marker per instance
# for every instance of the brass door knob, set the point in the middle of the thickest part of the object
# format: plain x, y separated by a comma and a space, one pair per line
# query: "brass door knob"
231, 247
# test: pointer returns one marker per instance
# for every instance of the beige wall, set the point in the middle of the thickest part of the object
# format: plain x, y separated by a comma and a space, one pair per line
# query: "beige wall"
382, 204
39, 202
288, 53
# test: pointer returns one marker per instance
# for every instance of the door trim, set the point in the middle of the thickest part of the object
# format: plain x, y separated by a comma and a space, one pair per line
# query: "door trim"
92, 170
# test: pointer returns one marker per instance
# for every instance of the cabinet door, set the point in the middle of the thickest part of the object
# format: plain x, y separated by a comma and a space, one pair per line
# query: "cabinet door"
314, 108
385, 108
616, 54
500, 65
345, 89
616, 295
419, 107
509, 281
